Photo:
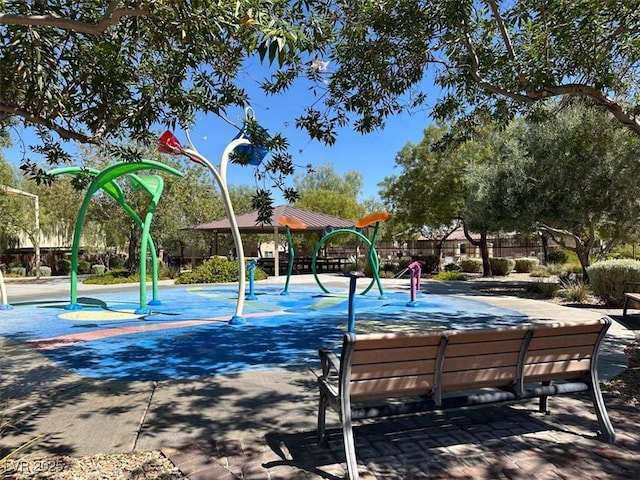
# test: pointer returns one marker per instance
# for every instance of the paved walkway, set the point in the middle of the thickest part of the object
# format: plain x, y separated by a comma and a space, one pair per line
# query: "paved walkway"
261, 425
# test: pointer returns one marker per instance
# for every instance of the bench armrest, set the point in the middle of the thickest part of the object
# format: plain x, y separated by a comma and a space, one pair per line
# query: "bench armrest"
330, 363
327, 381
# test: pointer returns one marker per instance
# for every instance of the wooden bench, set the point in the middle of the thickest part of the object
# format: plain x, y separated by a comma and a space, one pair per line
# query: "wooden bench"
630, 296
381, 375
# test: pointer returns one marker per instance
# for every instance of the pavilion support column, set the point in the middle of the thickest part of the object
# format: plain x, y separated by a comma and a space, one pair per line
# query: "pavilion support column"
276, 253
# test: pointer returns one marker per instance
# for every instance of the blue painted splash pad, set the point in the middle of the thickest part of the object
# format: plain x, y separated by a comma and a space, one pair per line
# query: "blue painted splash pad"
188, 336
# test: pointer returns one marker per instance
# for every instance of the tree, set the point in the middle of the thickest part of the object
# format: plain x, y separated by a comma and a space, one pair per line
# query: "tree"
324, 177
488, 57
575, 177
101, 73
441, 185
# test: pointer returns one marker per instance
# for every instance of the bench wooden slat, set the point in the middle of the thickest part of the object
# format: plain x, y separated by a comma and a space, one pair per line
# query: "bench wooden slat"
457, 350
548, 342
486, 335
376, 341
394, 355
567, 329
477, 361
540, 371
384, 369
406, 386
474, 379
559, 354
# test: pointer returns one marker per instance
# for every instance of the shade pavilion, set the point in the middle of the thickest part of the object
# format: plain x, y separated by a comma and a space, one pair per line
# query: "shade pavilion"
248, 223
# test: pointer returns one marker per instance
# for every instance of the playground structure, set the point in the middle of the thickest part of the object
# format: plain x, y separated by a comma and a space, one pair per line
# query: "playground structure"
289, 223
105, 180
4, 305
416, 273
168, 143
374, 218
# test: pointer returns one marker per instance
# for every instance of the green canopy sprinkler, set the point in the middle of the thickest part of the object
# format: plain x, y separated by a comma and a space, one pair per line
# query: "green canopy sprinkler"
105, 180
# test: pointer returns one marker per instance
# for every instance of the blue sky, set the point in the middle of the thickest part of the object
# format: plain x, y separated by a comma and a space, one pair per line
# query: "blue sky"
372, 155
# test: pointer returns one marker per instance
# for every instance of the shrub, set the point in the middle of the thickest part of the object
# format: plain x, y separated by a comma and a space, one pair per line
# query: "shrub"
116, 262
622, 251
388, 267
84, 266
430, 263
166, 272
18, 264
558, 255
501, 266
540, 273
19, 271
115, 276
450, 276
576, 291
63, 266
216, 270
608, 279
98, 269
386, 274
526, 264
452, 267
471, 265
43, 271
542, 288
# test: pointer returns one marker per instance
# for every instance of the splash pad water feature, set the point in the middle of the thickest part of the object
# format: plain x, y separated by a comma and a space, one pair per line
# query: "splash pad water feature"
182, 338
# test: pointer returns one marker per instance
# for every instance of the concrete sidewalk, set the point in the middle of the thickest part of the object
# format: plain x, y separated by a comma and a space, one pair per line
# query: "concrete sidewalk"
262, 424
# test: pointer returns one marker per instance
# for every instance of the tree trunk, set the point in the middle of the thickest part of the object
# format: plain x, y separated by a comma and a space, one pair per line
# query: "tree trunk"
544, 240
583, 256
484, 249
132, 259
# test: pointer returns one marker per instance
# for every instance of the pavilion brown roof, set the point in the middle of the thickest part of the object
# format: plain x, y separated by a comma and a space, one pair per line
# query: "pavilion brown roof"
248, 223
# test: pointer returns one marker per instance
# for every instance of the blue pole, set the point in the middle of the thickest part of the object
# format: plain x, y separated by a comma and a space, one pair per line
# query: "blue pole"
251, 268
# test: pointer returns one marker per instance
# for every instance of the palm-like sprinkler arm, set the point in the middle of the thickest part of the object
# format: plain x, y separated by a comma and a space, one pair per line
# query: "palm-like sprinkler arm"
170, 144
289, 223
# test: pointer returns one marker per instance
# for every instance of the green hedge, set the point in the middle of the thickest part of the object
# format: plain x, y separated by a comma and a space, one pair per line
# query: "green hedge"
526, 264
558, 255
63, 266
502, 266
43, 271
471, 265
19, 271
98, 269
450, 276
608, 279
217, 270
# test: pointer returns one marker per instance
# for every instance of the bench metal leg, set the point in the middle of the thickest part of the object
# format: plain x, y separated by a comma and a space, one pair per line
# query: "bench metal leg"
322, 414
349, 447
606, 429
543, 406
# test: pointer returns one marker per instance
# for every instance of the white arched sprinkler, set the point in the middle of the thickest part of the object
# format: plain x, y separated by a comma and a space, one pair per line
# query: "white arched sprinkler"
168, 143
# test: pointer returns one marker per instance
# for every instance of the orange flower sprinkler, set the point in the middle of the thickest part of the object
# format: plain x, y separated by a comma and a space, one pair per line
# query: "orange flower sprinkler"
290, 223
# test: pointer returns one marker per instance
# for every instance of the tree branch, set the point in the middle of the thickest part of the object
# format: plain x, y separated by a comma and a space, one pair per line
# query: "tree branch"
8, 111
574, 89
111, 16
555, 232
507, 40
474, 69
